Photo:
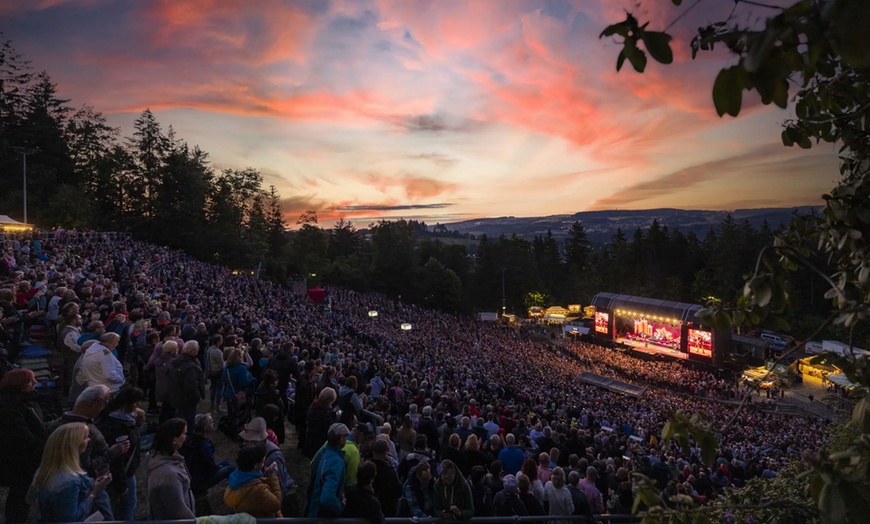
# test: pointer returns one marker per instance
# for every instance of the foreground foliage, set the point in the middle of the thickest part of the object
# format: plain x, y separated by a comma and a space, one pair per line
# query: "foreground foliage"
820, 46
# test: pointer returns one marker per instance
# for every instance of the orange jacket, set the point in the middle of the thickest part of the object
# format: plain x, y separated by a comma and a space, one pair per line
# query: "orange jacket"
260, 498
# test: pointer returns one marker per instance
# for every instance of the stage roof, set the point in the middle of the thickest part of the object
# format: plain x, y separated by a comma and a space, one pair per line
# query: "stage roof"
663, 308
617, 386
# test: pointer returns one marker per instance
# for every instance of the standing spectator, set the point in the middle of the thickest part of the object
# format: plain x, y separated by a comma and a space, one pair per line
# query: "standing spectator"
238, 387
511, 457
362, 502
530, 469
327, 477
529, 500
320, 418
557, 496
507, 502
187, 385
387, 486
120, 422
215, 369
303, 401
161, 361
62, 492
472, 456
167, 483
480, 493
69, 347
88, 406
254, 488
406, 437
268, 394
544, 470
198, 454
581, 503
21, 439
596, 501
286, 367
100, 366
429, 428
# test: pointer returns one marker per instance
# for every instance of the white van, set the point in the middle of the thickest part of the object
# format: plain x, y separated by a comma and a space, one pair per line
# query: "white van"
777, 342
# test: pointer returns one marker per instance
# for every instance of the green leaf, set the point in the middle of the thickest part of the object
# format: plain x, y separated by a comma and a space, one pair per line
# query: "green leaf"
635, 55
728, 91
620, 60
621, 29
658, 45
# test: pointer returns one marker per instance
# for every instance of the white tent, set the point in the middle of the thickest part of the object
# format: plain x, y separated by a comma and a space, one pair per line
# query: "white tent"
8, 224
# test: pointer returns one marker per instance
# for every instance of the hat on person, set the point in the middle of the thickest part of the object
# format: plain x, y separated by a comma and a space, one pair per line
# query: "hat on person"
337, 430
255, 430
510, 484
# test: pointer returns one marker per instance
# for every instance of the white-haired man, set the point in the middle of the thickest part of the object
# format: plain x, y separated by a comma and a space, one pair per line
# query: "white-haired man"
100, 366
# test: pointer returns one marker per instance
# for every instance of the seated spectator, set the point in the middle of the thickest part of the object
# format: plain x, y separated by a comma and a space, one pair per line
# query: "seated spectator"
253, 488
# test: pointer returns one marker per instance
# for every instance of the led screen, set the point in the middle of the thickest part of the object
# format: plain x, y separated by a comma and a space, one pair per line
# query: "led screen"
700, 343
602, 323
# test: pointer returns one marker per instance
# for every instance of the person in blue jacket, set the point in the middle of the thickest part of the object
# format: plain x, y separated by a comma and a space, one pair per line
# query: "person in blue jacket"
61, 489
326, 491
237, 379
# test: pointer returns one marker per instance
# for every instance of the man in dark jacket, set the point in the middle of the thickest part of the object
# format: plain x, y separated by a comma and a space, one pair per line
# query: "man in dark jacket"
362, 503
187, 385
387, 486
581, 502
88, 406
429, 428
286, 366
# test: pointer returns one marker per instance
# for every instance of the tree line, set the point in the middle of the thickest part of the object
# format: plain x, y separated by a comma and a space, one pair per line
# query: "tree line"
84, 174
81, 173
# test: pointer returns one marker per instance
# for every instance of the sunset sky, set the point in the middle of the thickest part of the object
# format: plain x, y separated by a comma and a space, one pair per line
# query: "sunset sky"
437, 110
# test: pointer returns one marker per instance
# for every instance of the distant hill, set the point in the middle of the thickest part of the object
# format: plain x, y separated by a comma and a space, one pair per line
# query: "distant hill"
601, 225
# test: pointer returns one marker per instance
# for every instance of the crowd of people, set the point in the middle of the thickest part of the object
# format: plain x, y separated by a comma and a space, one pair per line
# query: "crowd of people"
452, 418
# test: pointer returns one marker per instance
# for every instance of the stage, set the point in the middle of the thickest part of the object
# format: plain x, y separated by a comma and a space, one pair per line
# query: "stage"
651, 348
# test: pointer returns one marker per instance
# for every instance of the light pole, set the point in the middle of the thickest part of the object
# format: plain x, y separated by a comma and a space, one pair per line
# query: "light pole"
503, 301
24, 151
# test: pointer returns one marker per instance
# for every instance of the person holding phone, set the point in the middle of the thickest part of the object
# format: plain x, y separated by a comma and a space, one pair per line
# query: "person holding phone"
253, 487
61, 490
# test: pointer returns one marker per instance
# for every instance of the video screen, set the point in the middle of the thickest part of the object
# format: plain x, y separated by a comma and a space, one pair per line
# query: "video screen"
602, 323
700, 343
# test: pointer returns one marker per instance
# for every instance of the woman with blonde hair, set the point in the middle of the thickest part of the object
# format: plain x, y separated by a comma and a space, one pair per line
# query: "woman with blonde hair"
61, 490
472, 456
557, 496
238, 391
